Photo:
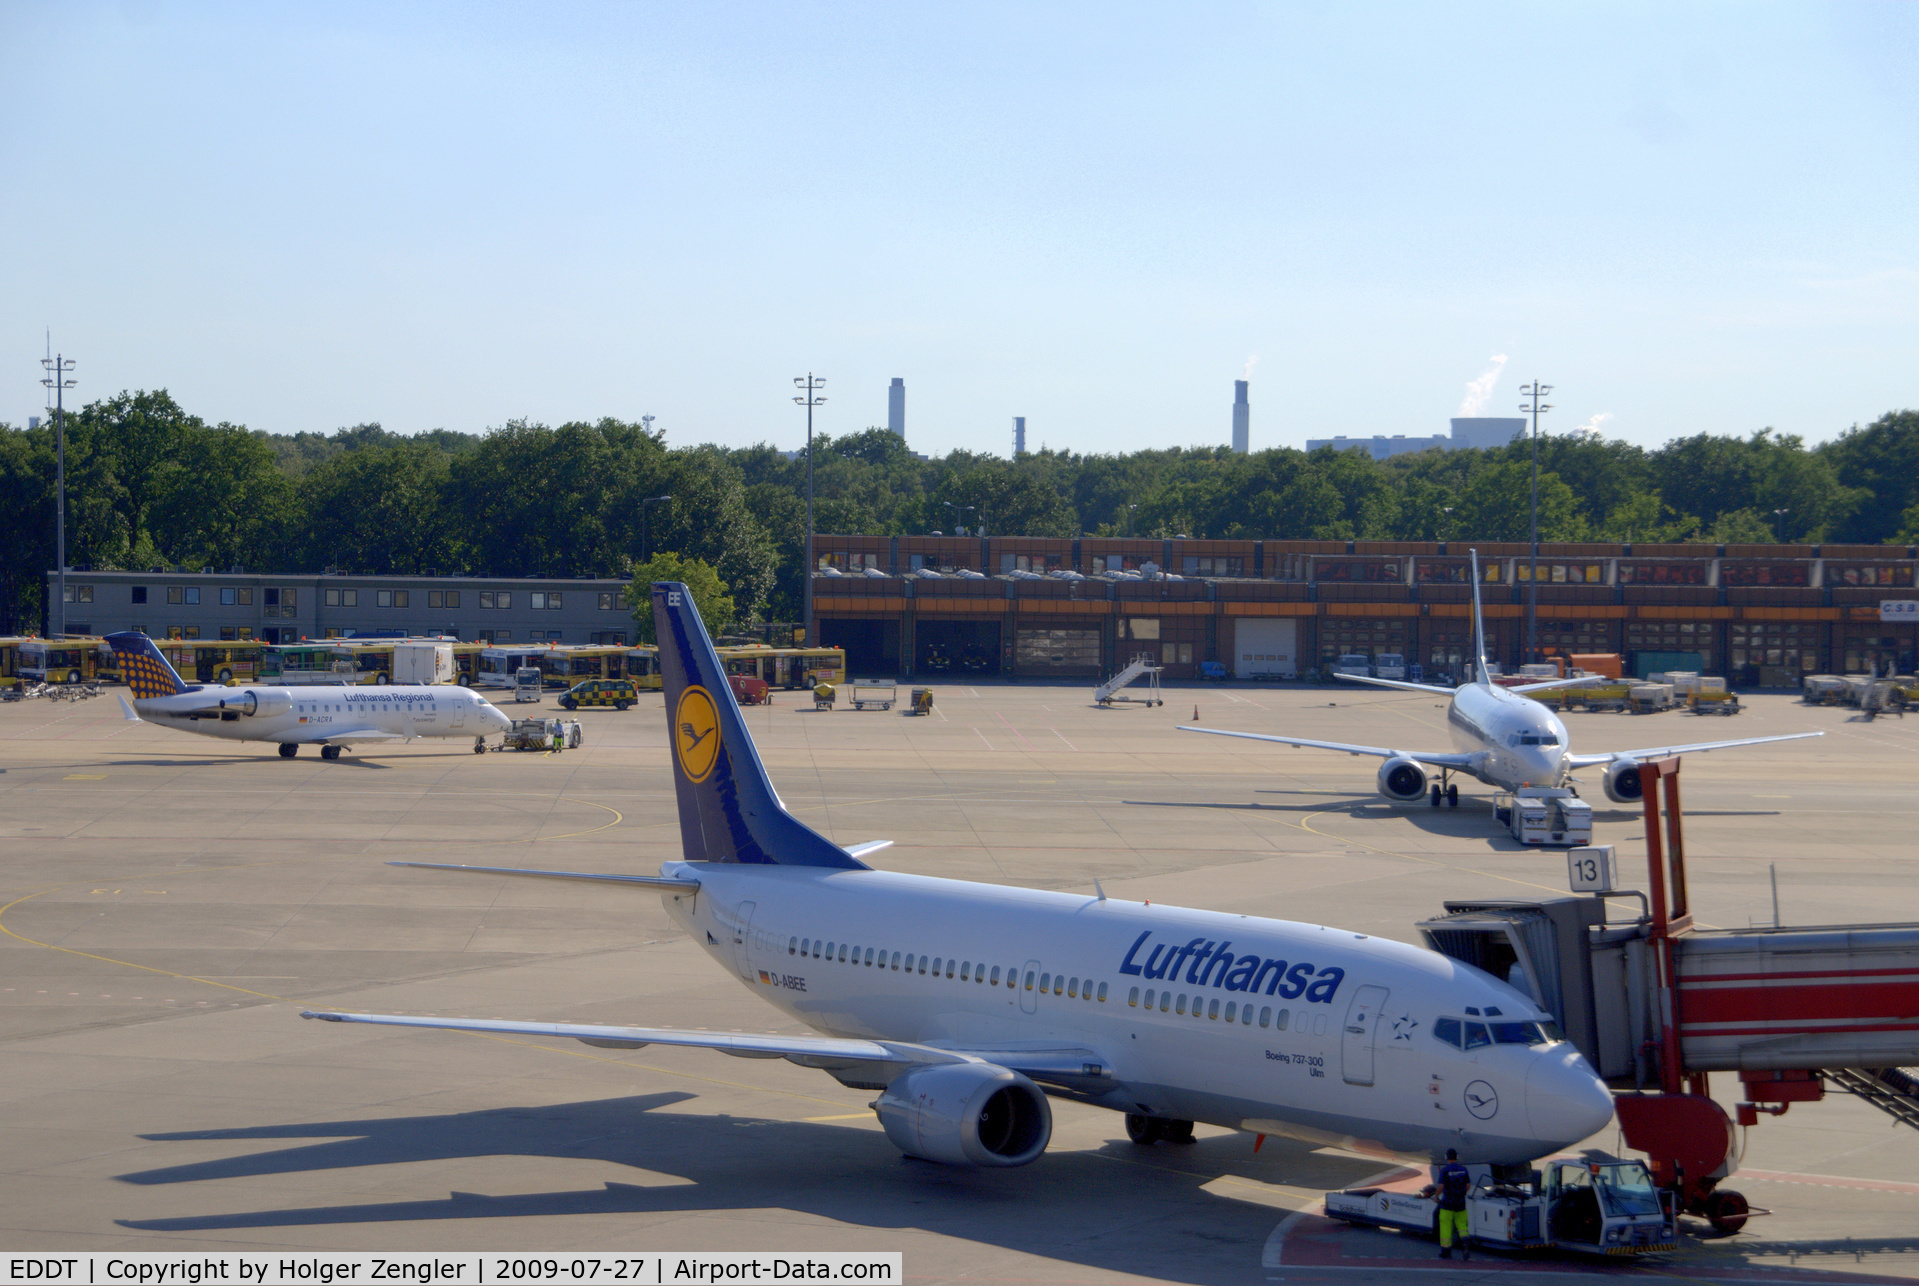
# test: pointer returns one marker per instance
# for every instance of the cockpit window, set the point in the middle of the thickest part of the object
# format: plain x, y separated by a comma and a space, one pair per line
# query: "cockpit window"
1518, 1034
1447, 1029
1476, 1035
1533, 739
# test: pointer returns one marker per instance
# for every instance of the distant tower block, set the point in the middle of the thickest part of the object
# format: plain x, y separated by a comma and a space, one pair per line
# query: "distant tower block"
1019, 435
1242, 429
896, 407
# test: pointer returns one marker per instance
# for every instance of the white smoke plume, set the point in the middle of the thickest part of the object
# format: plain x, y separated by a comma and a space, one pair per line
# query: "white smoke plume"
1591, 427
1479, 390
1251, 362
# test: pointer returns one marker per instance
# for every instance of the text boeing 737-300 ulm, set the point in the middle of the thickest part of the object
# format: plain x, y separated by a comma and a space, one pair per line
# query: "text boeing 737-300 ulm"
967, 1005
332, 718
1500, 736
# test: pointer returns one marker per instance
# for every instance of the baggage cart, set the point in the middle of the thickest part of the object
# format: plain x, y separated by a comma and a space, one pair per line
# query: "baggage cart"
873, 692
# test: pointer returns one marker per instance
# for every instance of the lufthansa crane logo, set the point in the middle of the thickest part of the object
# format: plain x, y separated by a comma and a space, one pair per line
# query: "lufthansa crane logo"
1482, 1100
696, 734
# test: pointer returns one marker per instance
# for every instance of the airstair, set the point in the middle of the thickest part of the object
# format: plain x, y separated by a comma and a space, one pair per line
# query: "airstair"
1141, 666
1893, 1090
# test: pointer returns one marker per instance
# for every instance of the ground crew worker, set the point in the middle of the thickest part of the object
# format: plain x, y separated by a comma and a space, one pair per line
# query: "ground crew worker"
559, 737
1454, 1182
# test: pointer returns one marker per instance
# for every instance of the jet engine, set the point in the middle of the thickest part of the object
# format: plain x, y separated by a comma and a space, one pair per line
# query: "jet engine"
967, 1114
1622, 782
1402, 780
249, 702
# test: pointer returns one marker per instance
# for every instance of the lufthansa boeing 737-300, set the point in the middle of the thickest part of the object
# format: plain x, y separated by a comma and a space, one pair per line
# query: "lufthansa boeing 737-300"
333, 718
966, 1005
1500, 735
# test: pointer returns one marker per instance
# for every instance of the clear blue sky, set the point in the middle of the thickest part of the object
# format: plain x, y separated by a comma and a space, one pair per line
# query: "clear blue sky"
1689, 218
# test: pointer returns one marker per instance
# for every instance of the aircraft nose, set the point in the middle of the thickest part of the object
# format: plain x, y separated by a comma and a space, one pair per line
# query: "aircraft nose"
496, 716
1565, 1100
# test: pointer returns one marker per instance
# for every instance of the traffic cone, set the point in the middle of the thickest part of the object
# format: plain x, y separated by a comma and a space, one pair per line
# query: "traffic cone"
1195, 714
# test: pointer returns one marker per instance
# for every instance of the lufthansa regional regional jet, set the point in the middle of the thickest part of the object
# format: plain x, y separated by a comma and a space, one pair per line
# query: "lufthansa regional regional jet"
967, 1005
1500, 736
333, 718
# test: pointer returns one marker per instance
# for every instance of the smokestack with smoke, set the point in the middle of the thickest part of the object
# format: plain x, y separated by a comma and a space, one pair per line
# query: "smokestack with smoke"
1479, 390
1242, 412
1247, 374
1590, 428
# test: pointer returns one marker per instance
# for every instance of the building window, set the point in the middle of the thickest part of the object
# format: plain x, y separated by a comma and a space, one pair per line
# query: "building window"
342, 598
139, 593
289, 599
609, 600
537, 600
176, 594
553, 601
79, 594
190, 632
1139, 627
1880, 574
229, 633
501, 636
229, 596
246, 631
173, 631
193, 596
1687, 573
496, 598
390, 598
443, 598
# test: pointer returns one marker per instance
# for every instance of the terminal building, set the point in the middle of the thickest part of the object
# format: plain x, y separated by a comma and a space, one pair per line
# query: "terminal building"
1024, 607
1477, 432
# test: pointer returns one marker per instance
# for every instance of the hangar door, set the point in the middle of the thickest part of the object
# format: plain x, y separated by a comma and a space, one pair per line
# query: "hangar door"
1263, 645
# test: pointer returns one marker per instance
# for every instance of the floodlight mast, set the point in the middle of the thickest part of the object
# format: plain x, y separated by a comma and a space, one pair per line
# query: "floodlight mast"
811, 384
56, 379
1533, 392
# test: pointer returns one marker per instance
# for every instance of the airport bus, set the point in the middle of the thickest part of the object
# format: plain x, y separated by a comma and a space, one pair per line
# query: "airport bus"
466, 663
198, 661
786, 667
563, 667
370, 660
498, 662
295, 664
10, 660
73, 659
643, 667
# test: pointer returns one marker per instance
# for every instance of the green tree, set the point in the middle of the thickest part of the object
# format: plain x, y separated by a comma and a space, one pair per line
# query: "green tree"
222, 501
383, 511
702, 578
1878, 461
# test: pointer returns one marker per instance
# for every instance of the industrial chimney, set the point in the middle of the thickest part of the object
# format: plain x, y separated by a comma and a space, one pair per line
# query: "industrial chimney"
1019, 436
1242, 430
896, 407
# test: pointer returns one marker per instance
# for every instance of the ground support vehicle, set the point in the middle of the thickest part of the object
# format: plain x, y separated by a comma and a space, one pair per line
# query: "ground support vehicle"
871, 692
1593, 1207
749, 691
424, 661
1545, 815
922, 701
1141, 666
526, 683
1610, 697
1713, 702
1354, 663
1883, 696
1649, 698
537, 734
617, 693
1822, 689
824, 696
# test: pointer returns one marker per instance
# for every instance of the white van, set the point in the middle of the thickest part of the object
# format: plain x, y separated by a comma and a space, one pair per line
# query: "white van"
1389, 665
1355, 663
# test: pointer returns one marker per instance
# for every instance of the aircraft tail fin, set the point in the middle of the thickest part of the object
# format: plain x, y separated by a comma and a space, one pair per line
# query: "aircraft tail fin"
729, 811
144, 668
1479, 629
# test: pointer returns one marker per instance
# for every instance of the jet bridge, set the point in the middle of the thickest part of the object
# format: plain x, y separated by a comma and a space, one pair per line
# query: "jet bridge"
1657, 1005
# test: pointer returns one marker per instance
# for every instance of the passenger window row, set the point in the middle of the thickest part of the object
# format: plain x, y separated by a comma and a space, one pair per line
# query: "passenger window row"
1209, 1008
979, 973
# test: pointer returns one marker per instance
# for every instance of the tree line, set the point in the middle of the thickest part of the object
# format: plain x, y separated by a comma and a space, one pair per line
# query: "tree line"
151, 485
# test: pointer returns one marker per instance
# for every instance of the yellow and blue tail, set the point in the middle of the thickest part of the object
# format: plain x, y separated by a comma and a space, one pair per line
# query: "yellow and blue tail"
729, 811
144, 668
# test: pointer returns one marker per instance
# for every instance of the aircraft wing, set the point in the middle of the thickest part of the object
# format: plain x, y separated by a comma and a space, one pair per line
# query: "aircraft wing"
823, 1052
645, 881
1660, 752
1438, 759
345, 736
131, 716
1395, 683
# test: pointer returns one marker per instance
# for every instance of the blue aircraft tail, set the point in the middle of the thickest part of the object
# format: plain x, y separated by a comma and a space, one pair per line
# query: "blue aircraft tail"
728, 809
144, 668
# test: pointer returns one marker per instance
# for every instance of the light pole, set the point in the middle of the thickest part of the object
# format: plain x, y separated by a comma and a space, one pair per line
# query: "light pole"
1129, 519
957, 511
811, 384
645, 554
56, 379
1448, 511
1533, 393
1779, 525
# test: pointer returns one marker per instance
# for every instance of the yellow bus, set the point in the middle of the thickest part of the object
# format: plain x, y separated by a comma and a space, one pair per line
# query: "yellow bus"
371, 660
466, 663
786, 667
643, 667
569, 665
74, 659
198, 661
10, 660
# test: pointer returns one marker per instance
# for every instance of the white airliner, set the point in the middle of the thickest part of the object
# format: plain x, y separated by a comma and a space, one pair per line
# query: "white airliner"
1500, 735
329, 717
967, 1004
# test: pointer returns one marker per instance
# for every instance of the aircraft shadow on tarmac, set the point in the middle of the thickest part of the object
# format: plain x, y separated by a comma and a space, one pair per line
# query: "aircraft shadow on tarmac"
1121, 1209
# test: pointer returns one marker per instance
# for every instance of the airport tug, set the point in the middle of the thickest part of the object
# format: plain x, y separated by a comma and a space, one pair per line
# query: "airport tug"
1597, 1205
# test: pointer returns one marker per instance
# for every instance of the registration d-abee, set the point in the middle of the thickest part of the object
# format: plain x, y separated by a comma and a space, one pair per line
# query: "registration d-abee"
967, 1005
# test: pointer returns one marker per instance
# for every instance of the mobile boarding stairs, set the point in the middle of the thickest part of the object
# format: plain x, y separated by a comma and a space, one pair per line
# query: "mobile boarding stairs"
1141, 666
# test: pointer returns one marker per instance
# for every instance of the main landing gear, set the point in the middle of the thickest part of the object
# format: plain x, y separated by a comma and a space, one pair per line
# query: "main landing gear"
288, 749
1148, 1130
1448, 793
329, 752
